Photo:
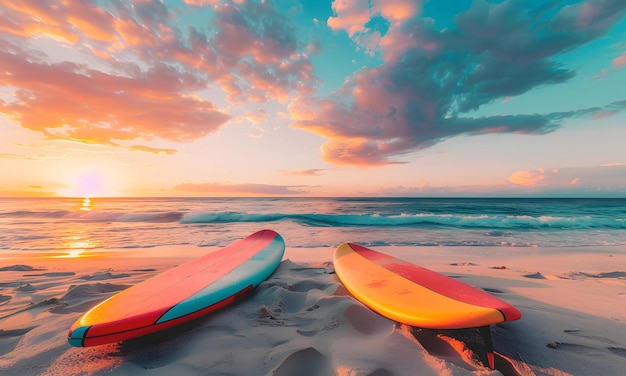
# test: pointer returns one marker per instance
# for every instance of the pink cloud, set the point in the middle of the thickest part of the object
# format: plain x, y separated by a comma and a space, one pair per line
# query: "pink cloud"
561, 182
620, 61
245, 188
433, 78
200, 3
396, 11
350, 15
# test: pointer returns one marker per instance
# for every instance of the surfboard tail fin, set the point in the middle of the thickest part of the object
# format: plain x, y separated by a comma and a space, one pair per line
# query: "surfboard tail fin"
485, 332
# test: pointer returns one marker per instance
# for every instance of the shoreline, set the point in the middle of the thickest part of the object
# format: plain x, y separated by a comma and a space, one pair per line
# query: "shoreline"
572, 302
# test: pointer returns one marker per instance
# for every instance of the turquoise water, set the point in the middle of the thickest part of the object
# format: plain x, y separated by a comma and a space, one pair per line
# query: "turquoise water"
60, 224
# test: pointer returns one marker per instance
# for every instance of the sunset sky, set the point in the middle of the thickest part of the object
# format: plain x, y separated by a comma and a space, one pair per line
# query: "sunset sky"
313, 98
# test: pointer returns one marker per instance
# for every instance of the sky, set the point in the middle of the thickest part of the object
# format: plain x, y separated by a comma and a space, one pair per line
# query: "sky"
506, 98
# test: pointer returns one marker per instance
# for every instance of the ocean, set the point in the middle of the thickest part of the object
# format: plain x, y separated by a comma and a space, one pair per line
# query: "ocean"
61, 224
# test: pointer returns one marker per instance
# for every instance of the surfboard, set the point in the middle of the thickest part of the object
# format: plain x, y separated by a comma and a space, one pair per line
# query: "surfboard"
416, 296
183, 293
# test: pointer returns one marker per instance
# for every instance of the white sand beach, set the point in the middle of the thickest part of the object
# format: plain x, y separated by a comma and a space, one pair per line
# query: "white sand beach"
301, 321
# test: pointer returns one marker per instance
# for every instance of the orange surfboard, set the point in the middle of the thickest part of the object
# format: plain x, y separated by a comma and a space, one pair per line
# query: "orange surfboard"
417, 296
183, 293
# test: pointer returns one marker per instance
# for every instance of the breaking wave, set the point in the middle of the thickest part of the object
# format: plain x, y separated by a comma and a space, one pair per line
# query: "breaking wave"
490, 221
440, 220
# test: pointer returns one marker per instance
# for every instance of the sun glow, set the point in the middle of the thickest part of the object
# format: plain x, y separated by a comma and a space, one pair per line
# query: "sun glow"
89, 184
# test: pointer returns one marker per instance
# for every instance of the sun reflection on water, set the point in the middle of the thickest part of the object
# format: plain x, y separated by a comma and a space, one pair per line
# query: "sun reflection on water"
76, 245
74, 253
86, 205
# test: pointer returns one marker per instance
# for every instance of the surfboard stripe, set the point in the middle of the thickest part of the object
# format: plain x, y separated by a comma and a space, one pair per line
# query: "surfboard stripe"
438, 283
231, 282
401, 299
90, 340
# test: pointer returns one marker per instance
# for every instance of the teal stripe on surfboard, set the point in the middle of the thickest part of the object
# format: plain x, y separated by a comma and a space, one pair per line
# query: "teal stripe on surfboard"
232, 282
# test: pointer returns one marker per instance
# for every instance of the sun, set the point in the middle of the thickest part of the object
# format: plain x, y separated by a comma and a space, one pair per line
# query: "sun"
89, 184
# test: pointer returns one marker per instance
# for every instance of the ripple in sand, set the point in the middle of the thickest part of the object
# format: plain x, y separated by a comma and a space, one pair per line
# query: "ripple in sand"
620, 351
52, 274
25, 287
91, 289
18, 268
463, 264
99, 276
535, 276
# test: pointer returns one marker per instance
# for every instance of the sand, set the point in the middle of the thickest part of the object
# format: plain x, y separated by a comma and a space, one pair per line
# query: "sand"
302, 321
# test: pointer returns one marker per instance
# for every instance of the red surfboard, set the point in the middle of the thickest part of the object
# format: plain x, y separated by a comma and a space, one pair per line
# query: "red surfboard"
183, 293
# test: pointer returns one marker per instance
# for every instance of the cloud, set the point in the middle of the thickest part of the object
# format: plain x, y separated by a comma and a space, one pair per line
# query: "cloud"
247, 188
149, 149
257, 117
432, 79
144, 71
258, 48
620, 61
527, 178
309, 172
605, 178
17, 156
354, 16
367, 22
598, 181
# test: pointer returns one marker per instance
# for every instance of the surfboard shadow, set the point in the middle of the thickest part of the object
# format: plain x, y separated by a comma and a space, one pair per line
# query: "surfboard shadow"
462, 347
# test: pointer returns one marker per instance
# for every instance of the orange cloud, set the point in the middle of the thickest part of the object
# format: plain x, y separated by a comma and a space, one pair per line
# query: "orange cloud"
309, 172
527, 178
147, 72
258, 117
69, 101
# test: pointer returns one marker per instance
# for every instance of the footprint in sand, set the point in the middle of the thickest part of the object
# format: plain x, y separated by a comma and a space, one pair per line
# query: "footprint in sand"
10, 338
367, 322
306, 362
305, 286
